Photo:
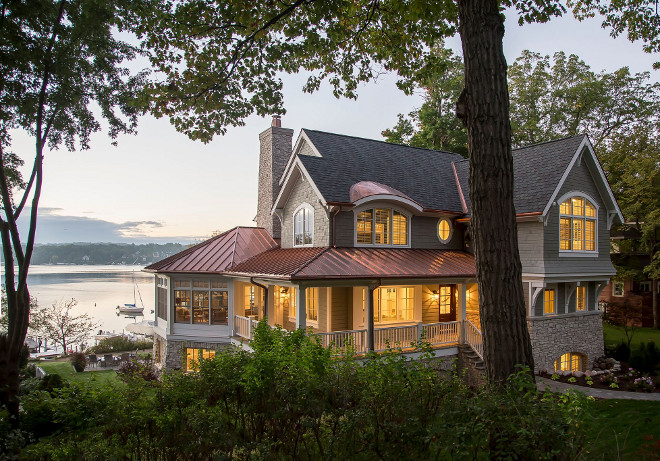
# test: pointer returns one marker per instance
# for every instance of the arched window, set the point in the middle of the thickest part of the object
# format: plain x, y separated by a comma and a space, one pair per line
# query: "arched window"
303, 225
571, 361
382, 227
444, 230
577, 225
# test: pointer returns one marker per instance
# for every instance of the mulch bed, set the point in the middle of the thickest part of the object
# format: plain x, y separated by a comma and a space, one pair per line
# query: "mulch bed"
623, 380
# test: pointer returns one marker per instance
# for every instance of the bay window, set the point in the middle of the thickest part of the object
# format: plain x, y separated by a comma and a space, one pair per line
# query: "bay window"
201, 302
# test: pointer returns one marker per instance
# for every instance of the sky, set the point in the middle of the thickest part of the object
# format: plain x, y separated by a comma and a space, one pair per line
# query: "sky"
159, 186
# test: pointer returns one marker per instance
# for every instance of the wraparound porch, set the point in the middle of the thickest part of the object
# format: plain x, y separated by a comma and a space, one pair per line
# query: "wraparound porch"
441, 334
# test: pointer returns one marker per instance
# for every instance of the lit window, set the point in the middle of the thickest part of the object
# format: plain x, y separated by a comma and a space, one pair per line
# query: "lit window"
381, 226
581, 298
444, 230
569, 362
577, 225
549, 302
444, 300
194, 355
617, 289
312, 300
200, 301
394, 304
288, 301
303, 222
252, 301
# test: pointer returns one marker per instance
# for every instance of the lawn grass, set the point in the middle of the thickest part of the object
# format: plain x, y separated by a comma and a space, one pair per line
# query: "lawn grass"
66, 371
623, 429
614, 335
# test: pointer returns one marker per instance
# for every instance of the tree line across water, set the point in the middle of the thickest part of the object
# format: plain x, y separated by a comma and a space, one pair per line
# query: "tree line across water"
104, 253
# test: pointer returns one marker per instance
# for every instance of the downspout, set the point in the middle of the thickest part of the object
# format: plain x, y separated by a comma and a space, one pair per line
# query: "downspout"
265, 288
334, 227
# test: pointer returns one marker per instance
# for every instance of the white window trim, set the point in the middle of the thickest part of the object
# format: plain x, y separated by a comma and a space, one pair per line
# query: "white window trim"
451, 230
577, 253
373, 206
623, 288
302, 206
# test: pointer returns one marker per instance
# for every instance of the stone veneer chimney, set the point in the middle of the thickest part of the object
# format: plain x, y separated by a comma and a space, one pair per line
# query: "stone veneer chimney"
275, 145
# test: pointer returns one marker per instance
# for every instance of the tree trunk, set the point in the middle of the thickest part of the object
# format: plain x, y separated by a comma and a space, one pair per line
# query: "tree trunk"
484, 108
654, 304
10, 350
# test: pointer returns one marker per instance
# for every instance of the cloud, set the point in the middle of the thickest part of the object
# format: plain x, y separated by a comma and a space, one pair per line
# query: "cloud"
53, 227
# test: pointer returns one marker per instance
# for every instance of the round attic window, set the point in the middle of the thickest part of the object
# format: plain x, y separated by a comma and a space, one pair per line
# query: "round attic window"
444, 230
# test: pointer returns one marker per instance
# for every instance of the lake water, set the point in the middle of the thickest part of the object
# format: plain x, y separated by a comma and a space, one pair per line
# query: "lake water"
98, 290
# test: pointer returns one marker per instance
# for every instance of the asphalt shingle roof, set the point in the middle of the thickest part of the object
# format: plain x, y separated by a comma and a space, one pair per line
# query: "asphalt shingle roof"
424, 175
537, 170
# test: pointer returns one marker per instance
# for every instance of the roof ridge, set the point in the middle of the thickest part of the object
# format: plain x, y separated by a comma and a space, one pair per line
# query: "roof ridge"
306, 263
548, 142
384, 142
233, 253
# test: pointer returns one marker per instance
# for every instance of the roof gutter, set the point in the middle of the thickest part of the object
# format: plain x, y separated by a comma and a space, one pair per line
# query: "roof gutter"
265, 288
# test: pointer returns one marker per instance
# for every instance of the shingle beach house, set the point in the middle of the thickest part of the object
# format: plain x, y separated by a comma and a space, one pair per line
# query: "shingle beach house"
341, 217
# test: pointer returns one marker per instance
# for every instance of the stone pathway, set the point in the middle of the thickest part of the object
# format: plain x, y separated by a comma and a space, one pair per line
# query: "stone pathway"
554, 386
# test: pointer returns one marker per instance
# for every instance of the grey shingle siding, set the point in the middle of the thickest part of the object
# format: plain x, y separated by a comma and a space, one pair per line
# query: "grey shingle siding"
424, 232
530, 246
579, 179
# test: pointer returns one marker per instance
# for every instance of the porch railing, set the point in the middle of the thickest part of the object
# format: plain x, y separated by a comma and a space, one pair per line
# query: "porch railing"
442, 333
437, 334
473, 338
341, 340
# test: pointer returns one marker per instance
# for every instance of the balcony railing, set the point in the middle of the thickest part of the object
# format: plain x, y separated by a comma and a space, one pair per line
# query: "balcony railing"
436, 334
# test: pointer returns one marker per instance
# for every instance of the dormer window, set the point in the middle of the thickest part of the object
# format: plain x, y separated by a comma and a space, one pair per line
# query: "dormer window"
381, 227
577, 225
303, 225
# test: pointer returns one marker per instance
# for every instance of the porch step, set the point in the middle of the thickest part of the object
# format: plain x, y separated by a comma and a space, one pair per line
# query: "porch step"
472, 356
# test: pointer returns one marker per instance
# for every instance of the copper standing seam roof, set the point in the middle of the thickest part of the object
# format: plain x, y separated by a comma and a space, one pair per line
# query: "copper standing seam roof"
219, 253
358, 263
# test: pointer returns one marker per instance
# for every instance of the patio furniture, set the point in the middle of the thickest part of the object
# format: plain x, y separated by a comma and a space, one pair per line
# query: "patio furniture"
92, 360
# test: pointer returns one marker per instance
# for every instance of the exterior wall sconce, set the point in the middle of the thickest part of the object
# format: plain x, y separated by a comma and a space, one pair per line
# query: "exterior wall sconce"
434, 295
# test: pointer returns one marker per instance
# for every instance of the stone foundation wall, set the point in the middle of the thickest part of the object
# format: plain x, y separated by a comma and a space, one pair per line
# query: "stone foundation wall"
173, 354
554, 336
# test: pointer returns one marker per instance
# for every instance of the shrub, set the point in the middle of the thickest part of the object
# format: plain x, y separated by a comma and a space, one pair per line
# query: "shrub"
79, 361
51, 383
645, 357
24, 356
608, 378
621, 352
643, 384
138, 369
119, 344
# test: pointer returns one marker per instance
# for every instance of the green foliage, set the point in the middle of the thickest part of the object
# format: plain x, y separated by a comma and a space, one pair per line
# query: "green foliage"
291, 400
550, 99
434, 125
562, 96
120, 344
79, 361
138, 369
621, 352
645, 358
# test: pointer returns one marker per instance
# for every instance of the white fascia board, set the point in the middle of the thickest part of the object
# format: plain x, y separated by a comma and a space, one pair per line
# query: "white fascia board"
287, 184
302, 137
603, 181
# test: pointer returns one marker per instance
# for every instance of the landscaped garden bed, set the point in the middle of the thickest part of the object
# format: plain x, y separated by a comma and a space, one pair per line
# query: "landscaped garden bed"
607, 373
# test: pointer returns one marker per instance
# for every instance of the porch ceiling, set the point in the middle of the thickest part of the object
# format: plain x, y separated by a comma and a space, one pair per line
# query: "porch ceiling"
358, 263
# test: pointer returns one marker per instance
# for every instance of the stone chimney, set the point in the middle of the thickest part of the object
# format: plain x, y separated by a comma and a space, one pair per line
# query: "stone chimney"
275, 146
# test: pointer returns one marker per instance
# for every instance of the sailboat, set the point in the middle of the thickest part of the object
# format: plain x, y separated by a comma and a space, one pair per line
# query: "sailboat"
132, 309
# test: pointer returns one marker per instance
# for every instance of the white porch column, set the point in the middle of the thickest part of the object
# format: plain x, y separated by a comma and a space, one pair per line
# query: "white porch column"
462, 303
301, 307
369, 317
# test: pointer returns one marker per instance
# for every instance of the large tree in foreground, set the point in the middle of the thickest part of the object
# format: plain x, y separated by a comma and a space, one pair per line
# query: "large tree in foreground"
57, 60
219, 62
